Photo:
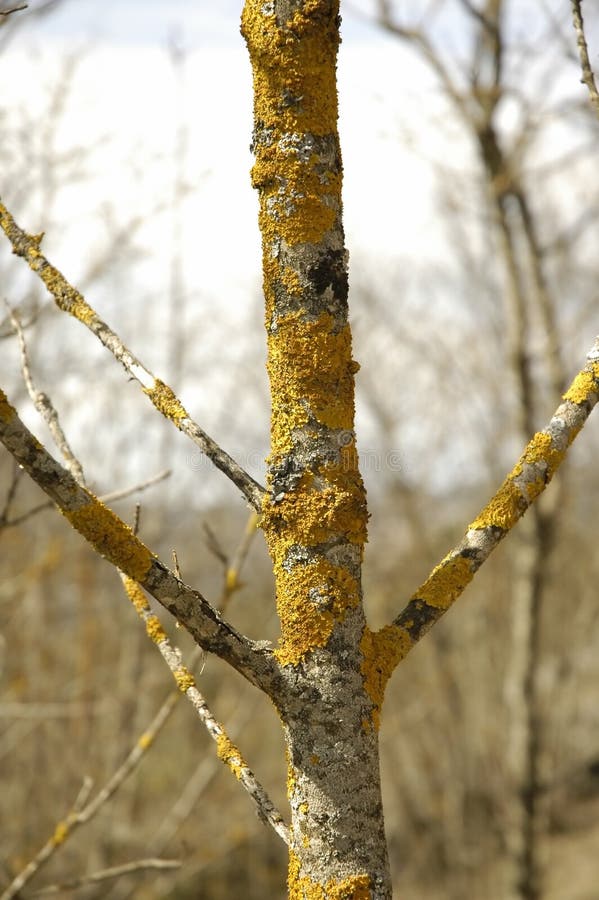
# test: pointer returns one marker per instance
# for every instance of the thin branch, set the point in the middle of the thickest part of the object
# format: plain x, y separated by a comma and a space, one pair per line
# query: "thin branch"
70, 300
227, 751
105, 498
107, 874
527, 480
10, 495
82, 812
588, 76
115, 541
44, 406
14, 9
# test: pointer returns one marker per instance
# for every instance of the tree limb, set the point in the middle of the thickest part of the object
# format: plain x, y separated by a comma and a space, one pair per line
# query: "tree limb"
529, 478
115, 541
70, 300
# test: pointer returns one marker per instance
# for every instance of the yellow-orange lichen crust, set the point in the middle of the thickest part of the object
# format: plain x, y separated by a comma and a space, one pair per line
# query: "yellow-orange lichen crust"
313, 596
295, 94
165, 401
508, 504
111, 538
230, 755
354, 887
585, 384
381, 651
311, 372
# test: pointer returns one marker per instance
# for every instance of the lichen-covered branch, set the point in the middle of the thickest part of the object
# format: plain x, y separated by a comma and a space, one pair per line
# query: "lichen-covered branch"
588, 76
69, 300
314, 518
186, 683
116, 542
527, 480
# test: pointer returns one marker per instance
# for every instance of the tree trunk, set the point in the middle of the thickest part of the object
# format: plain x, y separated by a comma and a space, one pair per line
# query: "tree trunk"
314, 518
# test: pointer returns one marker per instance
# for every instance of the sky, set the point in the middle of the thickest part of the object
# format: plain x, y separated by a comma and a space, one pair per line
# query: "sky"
126, 106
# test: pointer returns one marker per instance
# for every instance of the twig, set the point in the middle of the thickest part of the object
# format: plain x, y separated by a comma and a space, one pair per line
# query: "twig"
14, 9
529, 478
588, 76
10, 495
81, 812
70, 300
227, 751
106, 874
105, 498
44, 405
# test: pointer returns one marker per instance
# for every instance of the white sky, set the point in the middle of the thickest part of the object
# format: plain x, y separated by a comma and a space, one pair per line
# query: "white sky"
125, 104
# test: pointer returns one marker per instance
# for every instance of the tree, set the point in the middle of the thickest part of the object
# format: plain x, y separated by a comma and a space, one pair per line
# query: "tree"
328, 675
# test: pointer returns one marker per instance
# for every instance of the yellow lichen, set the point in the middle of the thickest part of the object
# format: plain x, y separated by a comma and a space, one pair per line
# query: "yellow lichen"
354, 887
583, 385
7, 411
111, 538
231, 580
61, 832
381, 652
310, 370
145, 740
503, 510
165, 401
229, 754
541, 449
310, 600
446, 582
155, 630
184, 679
310, 513
136, 595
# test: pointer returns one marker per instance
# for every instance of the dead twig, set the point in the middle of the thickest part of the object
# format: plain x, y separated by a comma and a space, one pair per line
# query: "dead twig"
588, 76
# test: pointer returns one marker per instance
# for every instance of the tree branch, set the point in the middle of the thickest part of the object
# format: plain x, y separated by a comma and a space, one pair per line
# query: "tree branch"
83, 809
529, 478
227, 751
70, 300
115, 541
138, 865
14, 9
588, 76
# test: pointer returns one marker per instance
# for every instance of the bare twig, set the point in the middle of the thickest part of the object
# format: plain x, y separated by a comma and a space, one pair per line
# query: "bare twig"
14, 9
588, 76
10, 495
45, 407
106, 874
105, 498
69, 300
81, 812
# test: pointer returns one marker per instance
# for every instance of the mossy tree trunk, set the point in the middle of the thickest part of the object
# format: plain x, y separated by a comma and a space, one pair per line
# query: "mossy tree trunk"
315, 514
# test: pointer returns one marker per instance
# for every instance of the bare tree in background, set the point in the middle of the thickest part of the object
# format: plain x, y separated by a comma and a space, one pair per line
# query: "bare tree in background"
328, 675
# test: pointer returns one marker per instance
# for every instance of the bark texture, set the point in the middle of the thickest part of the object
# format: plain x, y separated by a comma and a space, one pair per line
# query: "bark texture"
314, 517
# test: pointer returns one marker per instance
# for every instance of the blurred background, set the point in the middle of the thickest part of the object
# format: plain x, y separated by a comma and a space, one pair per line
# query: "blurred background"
471, 210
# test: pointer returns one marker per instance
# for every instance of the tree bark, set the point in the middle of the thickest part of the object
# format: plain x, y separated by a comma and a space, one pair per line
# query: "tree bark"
314, 517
